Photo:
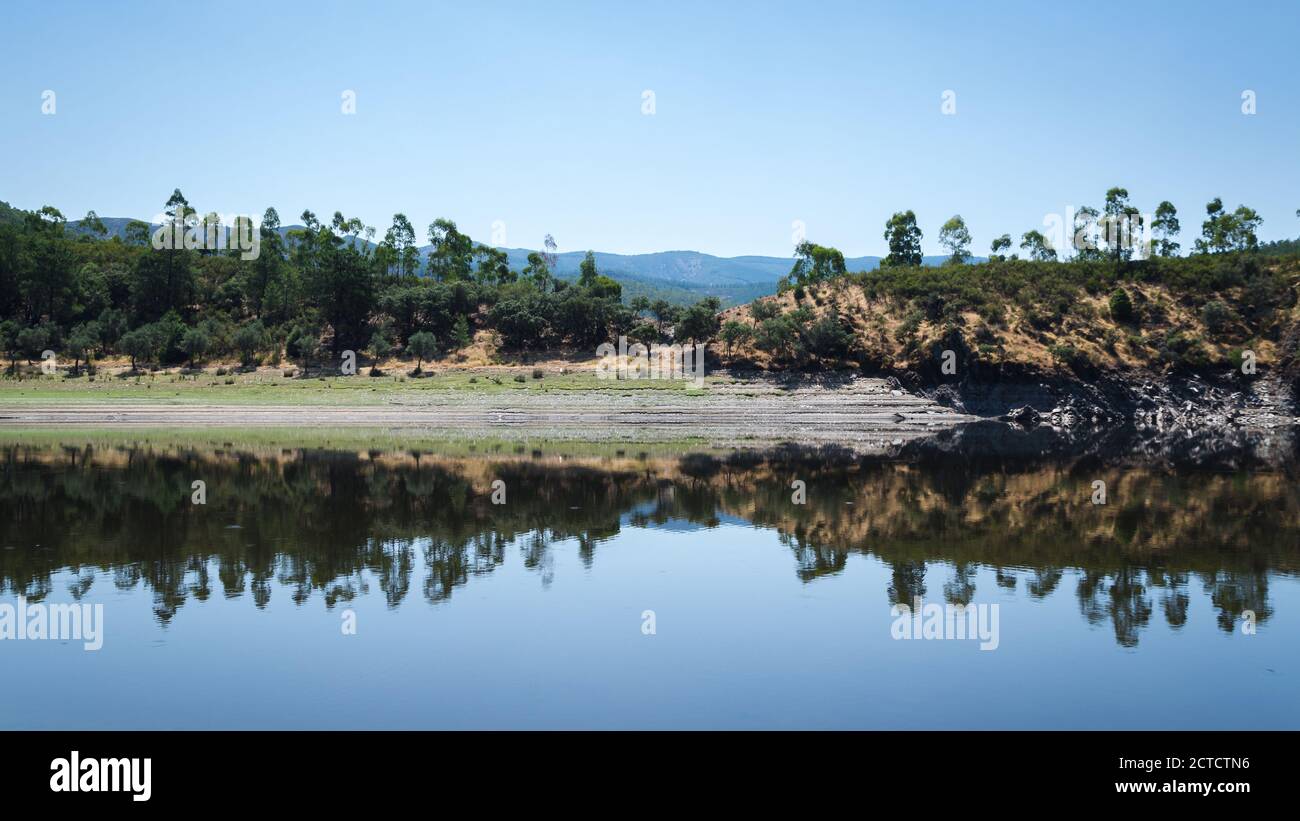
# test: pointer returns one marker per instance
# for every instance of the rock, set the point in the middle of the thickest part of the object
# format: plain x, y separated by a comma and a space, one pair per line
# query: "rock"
1026, 417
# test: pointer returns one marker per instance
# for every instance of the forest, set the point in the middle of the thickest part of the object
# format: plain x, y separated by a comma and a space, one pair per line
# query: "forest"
310, 293
315, 290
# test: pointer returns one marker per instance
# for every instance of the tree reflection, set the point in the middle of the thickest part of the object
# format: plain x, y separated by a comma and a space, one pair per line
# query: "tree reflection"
298, 523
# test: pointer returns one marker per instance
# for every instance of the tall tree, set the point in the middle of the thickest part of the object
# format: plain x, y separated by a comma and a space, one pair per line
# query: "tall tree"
1000, 246
814, 263
1086, 242
955, 237
452, 258
1164, 228
587, 272
1120, 224
1037, 246
904, 239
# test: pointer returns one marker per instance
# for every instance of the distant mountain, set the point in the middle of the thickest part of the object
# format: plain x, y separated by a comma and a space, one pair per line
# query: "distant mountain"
692, 268
678, 276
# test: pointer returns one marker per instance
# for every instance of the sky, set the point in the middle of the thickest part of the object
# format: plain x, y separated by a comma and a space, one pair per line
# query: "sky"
520, 119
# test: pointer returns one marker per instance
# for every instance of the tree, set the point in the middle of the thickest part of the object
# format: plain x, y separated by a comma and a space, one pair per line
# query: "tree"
699, 322
1119, 223
112, 324
195, 344
778, 336
338, 281
93, 227
34, 340
538, 270
1245, 222
249, 340
139, 344
828, 337
379, 347
999, 246
303, 343
424, 346
1224, 231
904, 238
814, 263
1037, 246
587, 272
400, 256
1085, 240
665, 313
1165, 227
460, 335
136, 233
1121, 306
955, 237
494, 266
453, 253
735, 333
1215, 230
9, 331
82, 342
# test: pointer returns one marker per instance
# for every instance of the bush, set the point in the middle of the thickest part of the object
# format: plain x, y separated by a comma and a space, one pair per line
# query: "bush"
828, 338
249, 340
537, 373
1217, 316
764, 309
1067, 355
519, 377
1121, 306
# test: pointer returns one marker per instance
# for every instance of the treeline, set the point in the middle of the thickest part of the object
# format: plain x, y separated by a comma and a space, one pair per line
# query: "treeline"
1225, 282
1115, 233
310, 293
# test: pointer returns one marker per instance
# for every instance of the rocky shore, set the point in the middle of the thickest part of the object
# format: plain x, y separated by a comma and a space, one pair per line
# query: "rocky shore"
1221, 421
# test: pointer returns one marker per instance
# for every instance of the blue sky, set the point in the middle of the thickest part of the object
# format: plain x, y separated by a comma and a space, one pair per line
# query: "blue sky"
765, 113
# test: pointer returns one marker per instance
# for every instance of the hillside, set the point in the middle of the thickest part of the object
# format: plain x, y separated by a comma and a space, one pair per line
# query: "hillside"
1026, 317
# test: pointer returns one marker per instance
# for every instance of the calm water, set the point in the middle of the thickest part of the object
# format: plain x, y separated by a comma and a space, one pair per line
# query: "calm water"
533, 613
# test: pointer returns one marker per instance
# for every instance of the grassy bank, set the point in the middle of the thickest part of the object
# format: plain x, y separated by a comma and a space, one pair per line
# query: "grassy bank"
271, 386
448, 443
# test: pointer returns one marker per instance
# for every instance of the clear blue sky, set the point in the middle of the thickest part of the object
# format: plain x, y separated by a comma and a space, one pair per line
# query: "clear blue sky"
766, 113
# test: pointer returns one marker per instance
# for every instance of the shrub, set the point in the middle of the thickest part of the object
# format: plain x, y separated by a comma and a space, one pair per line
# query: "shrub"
764, 309
1067, 355
1217, 316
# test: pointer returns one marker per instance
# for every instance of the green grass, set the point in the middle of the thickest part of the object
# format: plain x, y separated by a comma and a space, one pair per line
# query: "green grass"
254, 389
443, 443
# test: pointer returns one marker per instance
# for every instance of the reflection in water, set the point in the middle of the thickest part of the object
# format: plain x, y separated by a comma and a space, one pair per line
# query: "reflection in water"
338, 522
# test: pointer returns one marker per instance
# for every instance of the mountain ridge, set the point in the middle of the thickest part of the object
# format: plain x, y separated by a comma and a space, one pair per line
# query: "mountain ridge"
678, 275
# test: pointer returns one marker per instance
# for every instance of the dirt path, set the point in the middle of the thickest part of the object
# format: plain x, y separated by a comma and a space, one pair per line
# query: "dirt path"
865, 414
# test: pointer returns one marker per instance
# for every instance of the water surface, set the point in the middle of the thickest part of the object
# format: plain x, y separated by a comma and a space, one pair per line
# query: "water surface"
533, 613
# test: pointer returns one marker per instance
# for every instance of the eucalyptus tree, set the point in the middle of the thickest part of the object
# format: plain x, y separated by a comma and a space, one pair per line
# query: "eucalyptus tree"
904, 239
955, 237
